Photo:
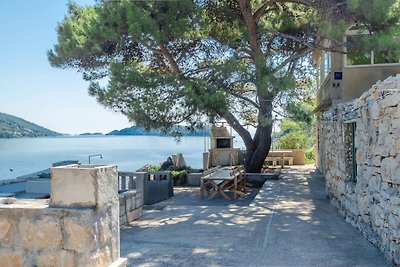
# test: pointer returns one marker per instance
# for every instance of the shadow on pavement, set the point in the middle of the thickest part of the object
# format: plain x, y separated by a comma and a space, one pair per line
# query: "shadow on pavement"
290, 222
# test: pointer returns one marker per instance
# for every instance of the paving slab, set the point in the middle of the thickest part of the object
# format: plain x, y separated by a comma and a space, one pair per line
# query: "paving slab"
289, 223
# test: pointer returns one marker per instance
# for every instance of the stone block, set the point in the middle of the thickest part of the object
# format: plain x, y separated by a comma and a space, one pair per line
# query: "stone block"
114, 232
107, 184
10, 258
5, 226
375, 111
58, 258
139, 202
100, 258
83, 185
374, 183
132, 215
80, 236
394, 222
105, 230
40, 233
391, 100
395, 200
391, 170
376, 161
130, 203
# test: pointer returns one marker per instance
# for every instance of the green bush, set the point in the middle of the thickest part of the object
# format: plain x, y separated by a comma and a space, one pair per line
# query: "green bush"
179, 177
154, 168
310, 156
300, 135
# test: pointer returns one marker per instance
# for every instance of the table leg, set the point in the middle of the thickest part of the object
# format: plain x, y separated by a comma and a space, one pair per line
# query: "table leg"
202, 189
236, 187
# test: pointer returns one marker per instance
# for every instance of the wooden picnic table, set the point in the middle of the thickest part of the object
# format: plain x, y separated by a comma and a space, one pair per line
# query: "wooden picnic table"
221, 180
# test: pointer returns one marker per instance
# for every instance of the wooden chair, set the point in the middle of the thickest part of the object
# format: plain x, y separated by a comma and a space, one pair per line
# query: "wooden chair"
242, 185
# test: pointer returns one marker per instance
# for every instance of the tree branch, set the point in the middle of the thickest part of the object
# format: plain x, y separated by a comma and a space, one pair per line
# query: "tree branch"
245, 9
235, 124
293, 58
263, 9
186, 49
245, 99
171, 60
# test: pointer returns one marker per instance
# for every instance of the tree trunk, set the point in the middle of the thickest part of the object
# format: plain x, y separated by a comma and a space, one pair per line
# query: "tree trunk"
256, 154
257, 148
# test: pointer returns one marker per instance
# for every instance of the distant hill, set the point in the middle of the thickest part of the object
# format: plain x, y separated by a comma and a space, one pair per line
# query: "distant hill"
135, 130
14, 127
90, 134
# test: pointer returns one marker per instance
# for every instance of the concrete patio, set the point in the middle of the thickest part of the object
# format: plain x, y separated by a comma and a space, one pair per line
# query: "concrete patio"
290, 222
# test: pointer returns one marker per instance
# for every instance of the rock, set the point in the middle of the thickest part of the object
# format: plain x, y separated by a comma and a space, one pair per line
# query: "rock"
178, 160
394, 221
132, 215
375, 111
391, 99
40, 233
390, 170
79, 236
9, 258
5, 226
59, 258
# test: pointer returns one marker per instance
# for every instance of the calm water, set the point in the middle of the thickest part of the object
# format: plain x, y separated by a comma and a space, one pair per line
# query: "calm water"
29, 155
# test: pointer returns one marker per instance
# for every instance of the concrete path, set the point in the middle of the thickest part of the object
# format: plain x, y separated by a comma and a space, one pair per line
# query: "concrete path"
289, 223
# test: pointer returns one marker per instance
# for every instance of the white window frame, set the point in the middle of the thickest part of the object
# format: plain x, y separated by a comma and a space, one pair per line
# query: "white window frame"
324, 69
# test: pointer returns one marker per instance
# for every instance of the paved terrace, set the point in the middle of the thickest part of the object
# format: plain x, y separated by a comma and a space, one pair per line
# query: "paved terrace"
290, 222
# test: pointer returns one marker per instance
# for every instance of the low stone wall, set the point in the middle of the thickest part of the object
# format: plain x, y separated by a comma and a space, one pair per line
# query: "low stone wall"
363, 174
130, 206
78, 226
194, 179
157, 186
32, 234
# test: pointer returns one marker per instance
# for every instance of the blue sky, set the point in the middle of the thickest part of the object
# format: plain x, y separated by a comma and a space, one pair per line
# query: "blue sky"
29, 87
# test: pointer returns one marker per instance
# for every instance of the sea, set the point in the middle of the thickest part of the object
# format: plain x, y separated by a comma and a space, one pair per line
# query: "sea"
21, 156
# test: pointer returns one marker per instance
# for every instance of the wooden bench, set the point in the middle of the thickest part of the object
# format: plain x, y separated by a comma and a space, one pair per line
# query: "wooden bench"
219, 180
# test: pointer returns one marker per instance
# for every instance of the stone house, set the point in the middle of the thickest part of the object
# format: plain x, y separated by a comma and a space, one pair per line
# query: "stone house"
358, 147
345, 75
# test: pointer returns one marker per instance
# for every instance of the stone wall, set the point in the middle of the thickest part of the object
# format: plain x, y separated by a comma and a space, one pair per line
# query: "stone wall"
78, 226
369, 199
130, 206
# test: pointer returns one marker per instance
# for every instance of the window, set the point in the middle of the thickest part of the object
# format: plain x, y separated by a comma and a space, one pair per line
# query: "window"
350, 150
324, 68
360, 50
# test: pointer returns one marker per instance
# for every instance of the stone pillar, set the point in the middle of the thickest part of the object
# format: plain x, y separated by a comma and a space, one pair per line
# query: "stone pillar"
91, 227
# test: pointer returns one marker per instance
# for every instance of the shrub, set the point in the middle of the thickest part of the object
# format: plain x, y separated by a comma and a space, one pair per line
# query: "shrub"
310, 156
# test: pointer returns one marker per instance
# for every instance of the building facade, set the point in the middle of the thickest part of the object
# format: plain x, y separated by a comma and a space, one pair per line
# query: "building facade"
358, 144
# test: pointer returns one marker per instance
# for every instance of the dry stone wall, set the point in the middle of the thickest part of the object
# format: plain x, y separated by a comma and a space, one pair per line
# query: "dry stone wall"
370, 200
130, 206
79, 226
